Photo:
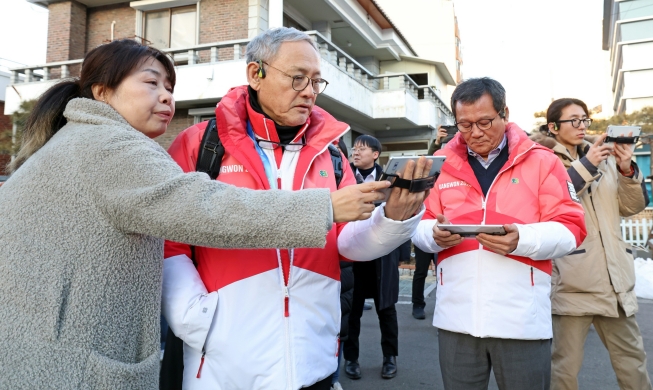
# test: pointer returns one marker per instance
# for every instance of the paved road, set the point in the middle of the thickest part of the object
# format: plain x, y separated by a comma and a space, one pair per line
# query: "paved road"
418, 365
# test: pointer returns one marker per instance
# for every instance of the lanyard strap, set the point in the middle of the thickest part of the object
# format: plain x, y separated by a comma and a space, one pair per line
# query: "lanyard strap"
263, 156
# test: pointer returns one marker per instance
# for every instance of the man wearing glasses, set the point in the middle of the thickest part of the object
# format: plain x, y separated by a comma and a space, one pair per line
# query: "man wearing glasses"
269, 319
493, 309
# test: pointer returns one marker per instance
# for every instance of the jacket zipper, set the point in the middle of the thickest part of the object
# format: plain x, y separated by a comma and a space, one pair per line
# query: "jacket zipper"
199, 370
285, 280
532, 277
484, 204
441, 279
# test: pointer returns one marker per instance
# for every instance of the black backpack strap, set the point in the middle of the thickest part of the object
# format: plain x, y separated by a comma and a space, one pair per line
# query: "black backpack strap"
211, 151
336, 159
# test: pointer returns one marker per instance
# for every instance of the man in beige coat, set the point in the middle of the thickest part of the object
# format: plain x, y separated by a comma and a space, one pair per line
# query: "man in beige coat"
595, 283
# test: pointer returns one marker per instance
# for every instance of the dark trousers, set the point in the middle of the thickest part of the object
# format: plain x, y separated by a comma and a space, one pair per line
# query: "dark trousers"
422, 263
324, 384
387, 323
466, 361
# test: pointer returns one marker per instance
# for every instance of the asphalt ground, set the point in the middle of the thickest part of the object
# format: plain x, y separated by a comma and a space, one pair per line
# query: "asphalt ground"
418, 363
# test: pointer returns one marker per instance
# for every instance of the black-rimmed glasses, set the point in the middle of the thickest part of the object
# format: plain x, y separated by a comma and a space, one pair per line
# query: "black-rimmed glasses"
483, 124
271, 145
299, 83
576, 122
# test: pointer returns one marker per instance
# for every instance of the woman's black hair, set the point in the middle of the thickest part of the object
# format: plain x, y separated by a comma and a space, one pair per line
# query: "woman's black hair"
108, 65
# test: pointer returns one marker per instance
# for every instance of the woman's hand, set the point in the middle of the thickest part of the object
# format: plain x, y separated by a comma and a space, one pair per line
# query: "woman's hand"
354, 203
623, 154
599, 151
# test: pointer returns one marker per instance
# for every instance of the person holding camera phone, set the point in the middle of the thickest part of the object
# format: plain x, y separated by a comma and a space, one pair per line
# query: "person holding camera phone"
493, 308
594, 284
439, 140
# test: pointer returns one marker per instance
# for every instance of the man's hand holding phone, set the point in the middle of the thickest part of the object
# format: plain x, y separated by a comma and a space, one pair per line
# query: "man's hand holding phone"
403, 204
623, 154
599, 151
502, 245
444, 238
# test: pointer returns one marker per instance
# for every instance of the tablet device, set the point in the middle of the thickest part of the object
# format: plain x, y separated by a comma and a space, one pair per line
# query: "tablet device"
619, 134
473, 230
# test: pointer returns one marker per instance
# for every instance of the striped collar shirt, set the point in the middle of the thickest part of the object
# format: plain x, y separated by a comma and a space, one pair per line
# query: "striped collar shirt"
491, 156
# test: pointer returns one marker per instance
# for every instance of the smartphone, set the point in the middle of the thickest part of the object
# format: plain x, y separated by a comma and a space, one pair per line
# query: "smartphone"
619, 135
451, 132
473, 230
398, 164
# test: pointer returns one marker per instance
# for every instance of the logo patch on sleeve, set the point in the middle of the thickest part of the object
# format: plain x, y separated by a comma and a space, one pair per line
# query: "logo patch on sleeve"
572, 192
324, 173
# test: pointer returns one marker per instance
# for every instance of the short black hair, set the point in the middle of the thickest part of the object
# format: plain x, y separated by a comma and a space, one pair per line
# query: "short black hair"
469, 91
369, 141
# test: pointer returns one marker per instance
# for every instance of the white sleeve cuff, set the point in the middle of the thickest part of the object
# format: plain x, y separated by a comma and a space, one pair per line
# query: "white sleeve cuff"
377, 236
544, 241
185, 302
423, 237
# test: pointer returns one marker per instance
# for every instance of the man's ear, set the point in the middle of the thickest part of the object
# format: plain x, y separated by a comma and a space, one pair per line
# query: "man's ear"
376, 155
552, 128
506, 114
252, 76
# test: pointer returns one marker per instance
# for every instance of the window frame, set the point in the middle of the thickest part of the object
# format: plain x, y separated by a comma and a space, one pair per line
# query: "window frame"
144, 6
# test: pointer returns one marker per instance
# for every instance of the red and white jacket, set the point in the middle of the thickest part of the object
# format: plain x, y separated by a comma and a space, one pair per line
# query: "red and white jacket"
266, 319
485, 294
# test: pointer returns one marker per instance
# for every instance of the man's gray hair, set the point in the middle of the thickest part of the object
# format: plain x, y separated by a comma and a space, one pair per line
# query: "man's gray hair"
265, 46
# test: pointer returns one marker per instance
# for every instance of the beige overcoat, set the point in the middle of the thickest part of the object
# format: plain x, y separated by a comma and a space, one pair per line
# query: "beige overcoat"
599, 274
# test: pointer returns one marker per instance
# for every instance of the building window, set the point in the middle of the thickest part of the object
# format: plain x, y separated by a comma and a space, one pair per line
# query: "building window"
634, 9
637, 30
171, 27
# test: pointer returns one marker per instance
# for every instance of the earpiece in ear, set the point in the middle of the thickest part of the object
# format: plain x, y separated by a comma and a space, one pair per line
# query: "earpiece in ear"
261, 71
555, 126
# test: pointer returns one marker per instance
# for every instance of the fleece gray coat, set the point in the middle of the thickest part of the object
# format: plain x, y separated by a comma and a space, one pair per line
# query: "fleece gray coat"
82, 225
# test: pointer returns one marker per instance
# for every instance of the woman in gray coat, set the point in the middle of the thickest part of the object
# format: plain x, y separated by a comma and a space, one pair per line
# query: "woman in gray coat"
85, 213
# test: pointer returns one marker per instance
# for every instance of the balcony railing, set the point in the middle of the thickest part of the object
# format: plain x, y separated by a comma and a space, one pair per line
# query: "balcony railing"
213, 53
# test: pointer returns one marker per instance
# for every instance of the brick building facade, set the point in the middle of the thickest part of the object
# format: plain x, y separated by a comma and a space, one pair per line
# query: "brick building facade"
358, 45
74, 29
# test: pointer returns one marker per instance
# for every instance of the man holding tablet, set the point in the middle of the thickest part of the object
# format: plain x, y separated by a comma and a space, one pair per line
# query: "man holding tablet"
493, 309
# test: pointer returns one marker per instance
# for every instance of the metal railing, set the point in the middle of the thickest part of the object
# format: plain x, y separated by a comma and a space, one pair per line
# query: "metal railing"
344, 61
215, 52
41, 72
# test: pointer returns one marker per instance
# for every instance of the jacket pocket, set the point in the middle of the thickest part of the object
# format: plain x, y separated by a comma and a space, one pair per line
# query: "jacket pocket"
104, 373
583, 270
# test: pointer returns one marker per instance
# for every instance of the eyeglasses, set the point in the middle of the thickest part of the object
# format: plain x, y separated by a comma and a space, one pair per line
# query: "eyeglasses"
358, 150
299, 83
271, 145
576, 122
483, 124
